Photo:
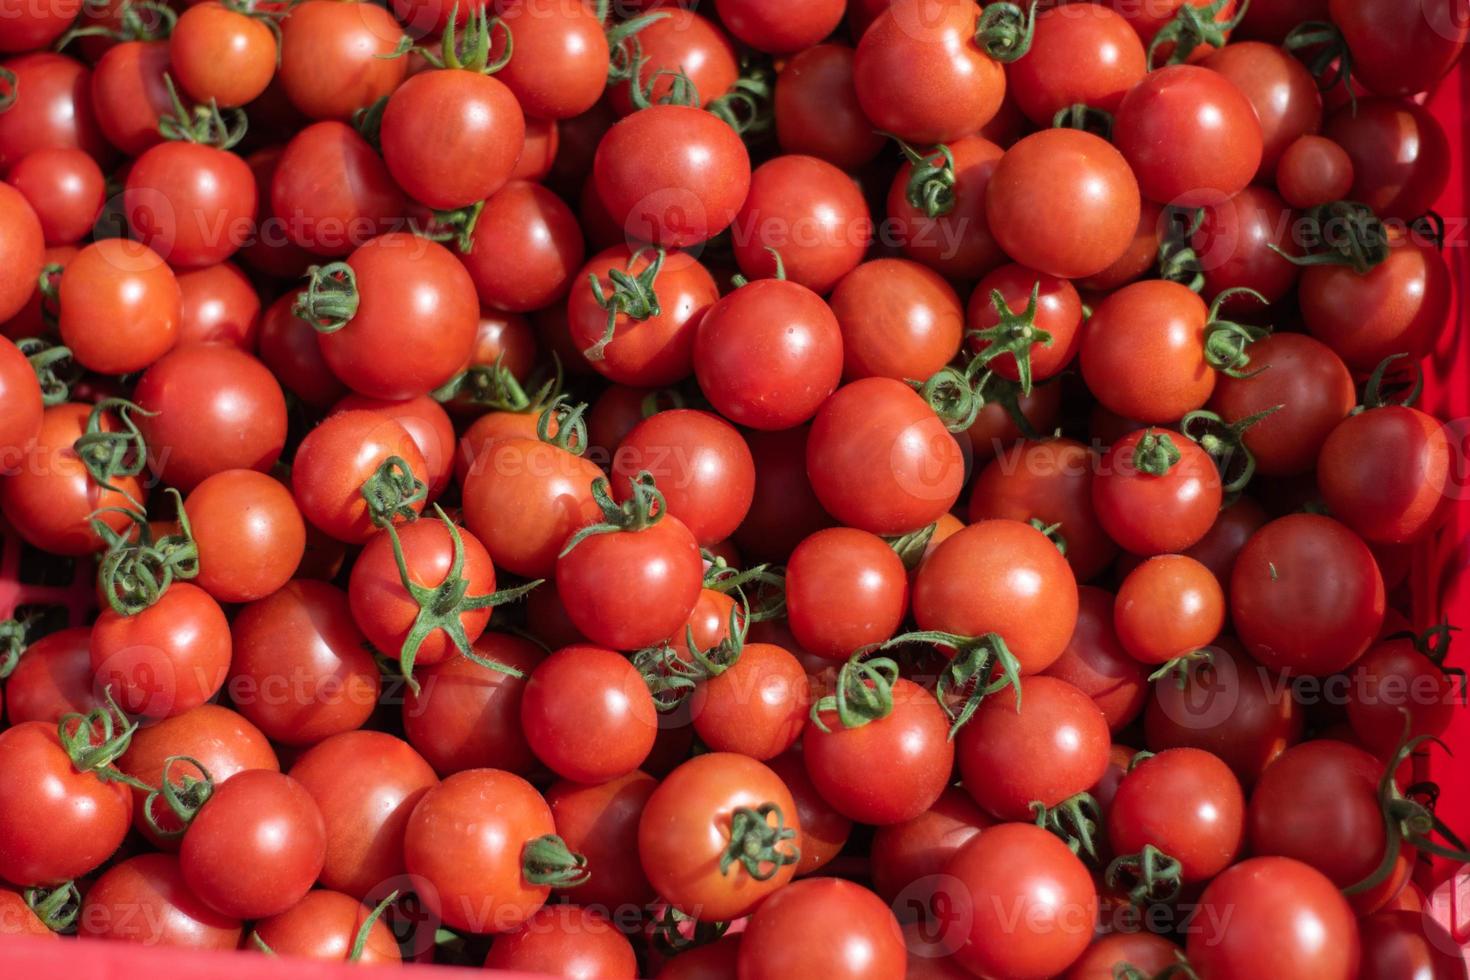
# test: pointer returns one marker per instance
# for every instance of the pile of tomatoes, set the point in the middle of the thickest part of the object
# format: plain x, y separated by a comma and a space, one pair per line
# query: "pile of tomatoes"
838, 488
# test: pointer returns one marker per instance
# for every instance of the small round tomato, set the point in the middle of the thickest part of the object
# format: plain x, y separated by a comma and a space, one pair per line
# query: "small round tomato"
1097, 665
908, 857
772, 27
824, 831
899, 320
1385, 473
1397, 55
1314, 170
249, 534
129, 95
756, 706
57, 110
66, 189
1306, 595
119, 306
566, 941
338, 457
1001, 318
166, 659
1236, 245
817, 111
146, 900
52, 678
1278, 87
800, 354
588, 715
1089, 55
824, 926
1143, 352
680, 41
954, 240
1156, 492
1063, 202
426, 422
1186, 803
560, 57
718, 836
525, 247
1169, 606
1391, 678
219, 305
784, 509
325, 926
330, 192
20, 391
808, 213
336, 59
601, 823
845, 589
193, 204
219, 54
1400, 155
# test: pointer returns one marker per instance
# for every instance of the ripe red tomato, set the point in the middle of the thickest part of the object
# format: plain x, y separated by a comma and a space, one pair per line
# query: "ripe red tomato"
680, 41
1236, 243
330, 192
822, 925
337, 457
1400, 155
426, 422
800, 346
17, 918
817, 111
1186, 803
66, 189
811, 214
1314, 170
170, 657
957, 243
1306, 595
335, 59
685, 836
775, 28
193, 204
1143, 352
588, 715
129, 95
1385, 473
601, 823
567, 941
1397, 49
845, 589
219, 305
908, 857
21, 393
1169, 606
1057, 313
119, 306
249, 534
824, 831
52, 678
1153, 513
288, 347
1089, 55
146, 900
899, 320
756, 707
324, 926
1097, 665
525, 248
1407, 943
220, 54
1391, 678
57, 110
703, 467
1063, 202
1144, 951
28, 28
560, 61
784, 509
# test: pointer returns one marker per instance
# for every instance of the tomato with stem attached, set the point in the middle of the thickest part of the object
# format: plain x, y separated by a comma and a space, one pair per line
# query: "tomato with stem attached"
560, 62
337, 59
330, 926
1169, 606
219, 53
1096, 663
330, 192
756, 706
803, 220
57, 111
899, 320
191, 202
1090, 56
165, 658
341, 455
600, 822
525, 248
1156, 492
1385, 472
937, 207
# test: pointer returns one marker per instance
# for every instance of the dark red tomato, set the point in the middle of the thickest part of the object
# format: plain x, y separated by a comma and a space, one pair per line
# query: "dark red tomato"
588, 715
1408, 943
880, 460
431, 17
559, 67
601, 823
129, 95
218, 305
167, 659
1400, 155
921, 75
468, 716
672, 175
55, 111
1054, 721
958, 244
1400, 49
1311, 385
756, 707
1000, 576
845, 589
1318, 803
193, 204
565, 941
682, 41
1408, 294
56, 822
824, 831
817, 111
768, 354
1097, 665
1058, 313
21, 394
1385, 473
1391, 678
1144, 951
331, 192
899, 320
288, 347
1236, 244
29, 27
365, 784
811, 214
1151, 514
1314, 170
1220, 546
1278, 87
50, 499
335, 58
686, 827
324, 926
1050, 481
886, 771
1222, 153
256, 846
1023, 902
337, 457
53, 678
146, 900
1229, 706
1306, 595
208, 408
776, 28
18, 919
65, 187
220, 740
526, 500
426, 423
908, 857
701, 464
1086, 55
822, 925
657, 349
249, 533
1272, 20
525, 247
507, 339
220, 54
543, 142
119, 306
1143, 352
784, 510
437, 121
1064, 202
387, 613
1169, 606
994, 429
301, 670
271, 250
468, 838
1185, 802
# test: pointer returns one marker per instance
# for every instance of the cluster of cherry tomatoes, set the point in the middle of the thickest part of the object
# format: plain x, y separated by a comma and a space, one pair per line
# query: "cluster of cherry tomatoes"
837, 488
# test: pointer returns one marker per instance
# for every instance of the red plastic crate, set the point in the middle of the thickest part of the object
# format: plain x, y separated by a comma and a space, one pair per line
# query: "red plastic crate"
1439, 584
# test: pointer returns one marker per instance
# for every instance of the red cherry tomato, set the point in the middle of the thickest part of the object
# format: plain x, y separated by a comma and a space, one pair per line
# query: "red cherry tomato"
601, 823
1151, 513
1385, 473
337, 457
218, 53
1186, 803
167, 659
66, 189
119, 306
568, 941
1314, 170
1169, 606
1089, 55
324, 926
957, 243
817, 111
146, 900
825, 925
249, 533
899, 320
335, 59
1097, 665
811, 214
588, 714
524, 250
845, 589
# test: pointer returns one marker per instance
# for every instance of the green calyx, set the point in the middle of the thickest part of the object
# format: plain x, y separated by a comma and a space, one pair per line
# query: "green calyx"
456, 226
1075, 821
137, 20
910, 547
739, 280
57, 907
978, 667
682, 90
368, 121
760, 842
9, 88
766, 585
494, 388
12, 645
329, 301
672, 675
627, 60
1224, 442
1155, 453
1004, 30
644, 508
1181, 668
930, 187
548, 861
748, 106
1015, 334
204, 125
1053, 533
393, 493
676, 932
863, 693
441, 606
54, 367
107, 455
1226, 341
470, 51
1191, 27
631, 296
97, 739
1088, 119
135, 571
1150, 876
953, 396
571, 425
1341, 233
184, 796
1177, 260
1386, 387
1326, 54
